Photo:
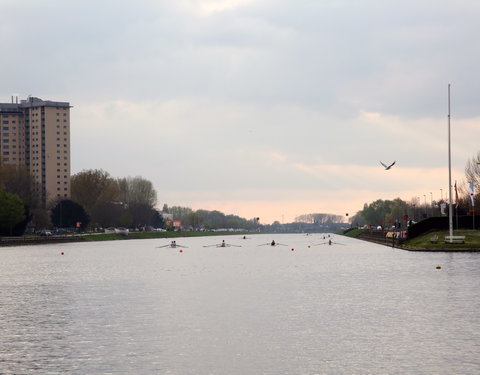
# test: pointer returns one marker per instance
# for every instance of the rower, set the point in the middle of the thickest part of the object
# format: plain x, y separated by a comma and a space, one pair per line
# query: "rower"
273, 243
223, 244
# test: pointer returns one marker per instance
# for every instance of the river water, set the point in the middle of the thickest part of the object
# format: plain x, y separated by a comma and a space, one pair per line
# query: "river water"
131, 307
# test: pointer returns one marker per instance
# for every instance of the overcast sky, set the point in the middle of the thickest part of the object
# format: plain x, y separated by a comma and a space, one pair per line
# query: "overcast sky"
258, 108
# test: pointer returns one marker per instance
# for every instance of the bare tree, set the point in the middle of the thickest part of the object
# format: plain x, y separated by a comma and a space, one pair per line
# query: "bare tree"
472, 170
137, 190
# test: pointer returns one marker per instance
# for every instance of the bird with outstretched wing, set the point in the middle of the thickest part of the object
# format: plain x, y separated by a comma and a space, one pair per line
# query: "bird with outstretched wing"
387, 167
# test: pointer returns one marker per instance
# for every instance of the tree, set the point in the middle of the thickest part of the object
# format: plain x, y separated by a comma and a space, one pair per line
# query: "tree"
472, 170
194, 220
17, 180
472, 173
11, 212
141, 214
180, 213
67, 213
137, 190
107, 214
92, 187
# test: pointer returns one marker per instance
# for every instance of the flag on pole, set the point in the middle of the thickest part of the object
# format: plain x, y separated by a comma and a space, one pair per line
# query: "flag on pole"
471, 193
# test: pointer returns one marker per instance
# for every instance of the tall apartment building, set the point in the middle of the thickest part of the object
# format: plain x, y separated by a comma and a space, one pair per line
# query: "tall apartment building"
35, 133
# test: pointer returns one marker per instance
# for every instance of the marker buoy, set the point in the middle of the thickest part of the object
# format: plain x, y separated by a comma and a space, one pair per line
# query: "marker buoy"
181, 250
309, 246
293, 249
438, 267
62, 253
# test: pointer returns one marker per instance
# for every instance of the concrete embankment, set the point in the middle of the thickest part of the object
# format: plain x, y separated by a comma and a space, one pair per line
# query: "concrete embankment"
22, 241
379, 237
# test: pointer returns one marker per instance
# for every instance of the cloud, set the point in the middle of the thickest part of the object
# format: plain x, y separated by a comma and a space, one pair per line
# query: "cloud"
209, 7
256, 103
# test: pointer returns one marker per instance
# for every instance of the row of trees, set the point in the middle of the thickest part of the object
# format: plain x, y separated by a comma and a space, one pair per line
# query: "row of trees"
398, 212
115, 202
204, 219
389, 212
319, 219
97, 199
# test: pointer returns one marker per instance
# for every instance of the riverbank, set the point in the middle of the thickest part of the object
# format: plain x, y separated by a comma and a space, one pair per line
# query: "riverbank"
431, 241
91, 237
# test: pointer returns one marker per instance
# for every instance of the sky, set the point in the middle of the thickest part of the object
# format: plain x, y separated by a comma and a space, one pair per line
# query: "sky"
257, 108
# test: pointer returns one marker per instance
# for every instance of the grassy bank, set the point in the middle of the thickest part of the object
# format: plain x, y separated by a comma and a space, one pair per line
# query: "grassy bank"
354, 232
472, 241
148, 235
424, 243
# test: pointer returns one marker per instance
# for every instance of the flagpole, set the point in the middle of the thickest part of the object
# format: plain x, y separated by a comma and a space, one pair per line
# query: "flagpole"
450, 206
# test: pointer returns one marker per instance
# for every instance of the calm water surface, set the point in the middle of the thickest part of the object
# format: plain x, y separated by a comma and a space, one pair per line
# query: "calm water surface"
129, 307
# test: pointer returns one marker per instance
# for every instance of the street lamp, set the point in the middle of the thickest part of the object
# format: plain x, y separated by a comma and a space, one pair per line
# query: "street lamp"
441, 194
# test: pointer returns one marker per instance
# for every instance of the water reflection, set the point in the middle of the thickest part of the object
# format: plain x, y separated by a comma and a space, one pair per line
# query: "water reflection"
129, 307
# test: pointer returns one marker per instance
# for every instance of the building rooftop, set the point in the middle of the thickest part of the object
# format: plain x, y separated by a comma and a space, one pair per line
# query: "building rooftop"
30, 102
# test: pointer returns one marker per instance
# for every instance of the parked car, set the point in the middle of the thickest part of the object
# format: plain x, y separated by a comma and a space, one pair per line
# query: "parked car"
44, 233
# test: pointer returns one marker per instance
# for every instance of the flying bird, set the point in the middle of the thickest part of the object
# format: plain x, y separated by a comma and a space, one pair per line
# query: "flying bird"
389, 166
